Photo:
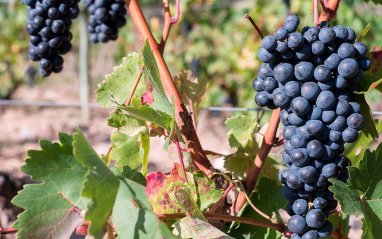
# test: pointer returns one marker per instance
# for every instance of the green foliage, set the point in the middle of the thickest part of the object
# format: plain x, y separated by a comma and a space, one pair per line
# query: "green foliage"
120, 83
49, 206
364, 193
101, 185
266, 201
242, 129
151, 71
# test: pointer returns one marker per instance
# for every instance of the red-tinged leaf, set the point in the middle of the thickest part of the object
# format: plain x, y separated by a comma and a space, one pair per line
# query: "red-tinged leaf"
207, 194
364, 32
161, 190
147, 97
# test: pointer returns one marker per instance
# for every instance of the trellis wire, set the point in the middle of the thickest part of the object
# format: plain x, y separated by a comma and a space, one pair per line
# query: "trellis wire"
95, 105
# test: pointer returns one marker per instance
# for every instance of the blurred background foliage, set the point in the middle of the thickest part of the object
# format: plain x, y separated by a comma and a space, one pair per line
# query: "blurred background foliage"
212, 38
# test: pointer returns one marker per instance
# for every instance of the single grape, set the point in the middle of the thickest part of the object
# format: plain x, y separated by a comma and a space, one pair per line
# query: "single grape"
269, 43
299, 157
310, 187
295, 40
341, 34
265, 71
350, 135
296, 120
310, 235
346, 50
327, 35
356, 121
326, 230
318, 48
324, 24
348, 68
292, 89
282, 47
284, 117
332, 61
280, 99
331, 170
261, 99
302, 132
314, 127
288, 148
291, 23
269, 84
328, 116
258, 84
340, 82
320, 203
308, 174
326, 100
266, 56
286, 158
354, 107
322, 73
335, 136
327, 85
300, 106
289, 131
315, 149
311, 35
281, 34
321, 181
282, 175
300, 207
315, 218
297, 224
289, 209
303, 71
298, 141
360, 50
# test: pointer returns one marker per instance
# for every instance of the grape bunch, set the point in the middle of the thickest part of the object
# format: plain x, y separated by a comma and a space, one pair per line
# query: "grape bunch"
106, 16
311, 75
49, 24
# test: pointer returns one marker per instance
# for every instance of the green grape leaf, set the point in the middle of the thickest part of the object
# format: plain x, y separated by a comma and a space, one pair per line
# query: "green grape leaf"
196, 228
121, 82
152, 73
207, 194
125, 150
191, 88
101, 185
127, 124
348, 198
364, 192
242, 129
161, 190
149, 114
130, 174
130, 221
356, 150
370, 128
265, 200
50, 207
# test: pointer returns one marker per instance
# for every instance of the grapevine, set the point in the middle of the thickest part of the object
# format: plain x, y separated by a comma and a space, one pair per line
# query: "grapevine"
313, 79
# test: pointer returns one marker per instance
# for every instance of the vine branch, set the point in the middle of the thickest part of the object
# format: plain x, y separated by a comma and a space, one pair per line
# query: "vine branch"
216, 216
183, 118
254, 172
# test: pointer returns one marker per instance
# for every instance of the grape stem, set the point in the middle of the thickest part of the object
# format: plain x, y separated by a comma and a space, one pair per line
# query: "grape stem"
180, 156
330, 11
254, 25
315, 9
183, 118
266, 146
216, 216
10, 230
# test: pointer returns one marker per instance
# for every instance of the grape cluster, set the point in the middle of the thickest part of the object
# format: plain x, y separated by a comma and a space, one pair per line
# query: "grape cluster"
106, 16
311, 75
49, 23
